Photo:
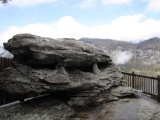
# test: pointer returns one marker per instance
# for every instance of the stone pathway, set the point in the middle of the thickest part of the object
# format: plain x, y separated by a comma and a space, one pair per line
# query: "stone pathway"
156, 115
140, 107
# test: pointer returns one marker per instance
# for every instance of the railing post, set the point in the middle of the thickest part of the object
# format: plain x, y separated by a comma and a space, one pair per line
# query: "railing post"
133, 79
158, 78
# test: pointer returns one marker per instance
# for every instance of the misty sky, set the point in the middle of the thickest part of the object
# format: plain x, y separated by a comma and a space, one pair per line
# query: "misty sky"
127, 20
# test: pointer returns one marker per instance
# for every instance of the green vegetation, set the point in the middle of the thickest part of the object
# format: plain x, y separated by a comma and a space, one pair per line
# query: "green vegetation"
140, 68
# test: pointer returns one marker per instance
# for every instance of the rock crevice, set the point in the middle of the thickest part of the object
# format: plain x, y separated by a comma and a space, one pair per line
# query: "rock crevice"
79, 73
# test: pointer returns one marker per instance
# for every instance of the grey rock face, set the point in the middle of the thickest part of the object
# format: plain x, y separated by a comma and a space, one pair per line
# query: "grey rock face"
49, 65
78, 74
49, 108
38, 109
122, 91
34, 50
23, 80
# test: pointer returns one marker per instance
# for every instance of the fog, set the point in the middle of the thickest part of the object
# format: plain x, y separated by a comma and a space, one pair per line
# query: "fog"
121, 57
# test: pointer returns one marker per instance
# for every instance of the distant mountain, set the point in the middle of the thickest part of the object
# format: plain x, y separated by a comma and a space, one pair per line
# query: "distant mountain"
109, 44
150, 44
144, 55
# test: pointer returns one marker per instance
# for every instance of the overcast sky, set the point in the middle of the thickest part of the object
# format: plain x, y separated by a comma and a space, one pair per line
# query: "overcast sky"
127, 20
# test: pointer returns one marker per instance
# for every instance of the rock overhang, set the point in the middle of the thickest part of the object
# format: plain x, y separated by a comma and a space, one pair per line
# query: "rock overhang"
46, 65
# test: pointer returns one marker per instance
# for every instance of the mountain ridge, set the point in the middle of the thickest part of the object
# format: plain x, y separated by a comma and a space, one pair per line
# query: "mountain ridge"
152, 40
142, 57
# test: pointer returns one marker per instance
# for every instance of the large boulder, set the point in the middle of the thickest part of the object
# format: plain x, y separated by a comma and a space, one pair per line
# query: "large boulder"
34, 50
76, 71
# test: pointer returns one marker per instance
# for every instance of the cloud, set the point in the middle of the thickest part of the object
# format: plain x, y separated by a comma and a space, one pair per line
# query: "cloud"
91, 3
126, 28
122, 57
108, 2
153, 5
81, 3
65, 27
88, 3
133, 27
24, 3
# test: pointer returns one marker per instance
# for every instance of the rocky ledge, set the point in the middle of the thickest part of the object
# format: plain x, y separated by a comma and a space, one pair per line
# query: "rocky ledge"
76, 73
50, 108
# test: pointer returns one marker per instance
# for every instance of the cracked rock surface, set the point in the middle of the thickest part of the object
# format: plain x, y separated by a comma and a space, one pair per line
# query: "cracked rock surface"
51, 108
76, 73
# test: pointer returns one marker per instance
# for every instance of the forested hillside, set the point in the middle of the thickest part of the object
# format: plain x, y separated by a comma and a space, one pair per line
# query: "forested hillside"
142, 57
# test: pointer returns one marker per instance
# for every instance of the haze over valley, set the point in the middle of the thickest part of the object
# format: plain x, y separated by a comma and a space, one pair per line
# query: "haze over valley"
142, 57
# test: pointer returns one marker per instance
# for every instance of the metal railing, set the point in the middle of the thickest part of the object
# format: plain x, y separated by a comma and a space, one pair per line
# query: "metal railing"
4, 63
5, 97
149, 85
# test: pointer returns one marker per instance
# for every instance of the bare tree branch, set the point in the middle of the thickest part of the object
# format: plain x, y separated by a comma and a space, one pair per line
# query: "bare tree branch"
4, 1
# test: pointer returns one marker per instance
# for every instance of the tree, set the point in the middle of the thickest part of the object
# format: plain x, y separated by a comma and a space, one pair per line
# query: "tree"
4, 1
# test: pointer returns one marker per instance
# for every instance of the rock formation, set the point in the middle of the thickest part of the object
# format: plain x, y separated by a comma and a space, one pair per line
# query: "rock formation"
77, 73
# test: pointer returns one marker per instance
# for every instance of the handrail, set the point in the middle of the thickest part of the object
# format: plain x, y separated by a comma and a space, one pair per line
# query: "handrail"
149, 85
5, 62
145, 76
